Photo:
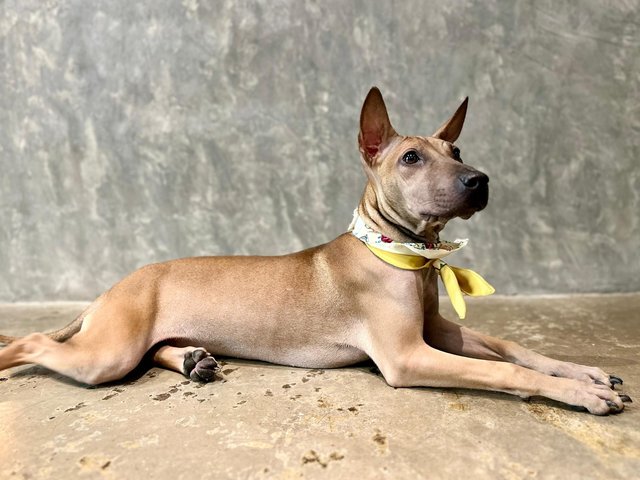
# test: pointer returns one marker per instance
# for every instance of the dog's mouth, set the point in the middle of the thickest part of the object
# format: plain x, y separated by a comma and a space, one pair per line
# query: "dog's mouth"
447, 212
473, 190
445, 204
474, 201
468, 212
477, 205
467, 216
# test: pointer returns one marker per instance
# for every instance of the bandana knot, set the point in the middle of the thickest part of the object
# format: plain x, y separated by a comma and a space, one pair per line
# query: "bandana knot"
417, 256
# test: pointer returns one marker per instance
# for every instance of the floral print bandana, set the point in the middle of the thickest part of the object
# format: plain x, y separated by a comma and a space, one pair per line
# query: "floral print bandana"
426, 250
417, 256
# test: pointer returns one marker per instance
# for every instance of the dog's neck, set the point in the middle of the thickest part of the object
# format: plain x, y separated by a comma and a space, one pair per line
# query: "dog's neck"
383, 218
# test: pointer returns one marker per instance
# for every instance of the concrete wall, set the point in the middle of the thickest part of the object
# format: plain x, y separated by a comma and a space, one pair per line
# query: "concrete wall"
133, 132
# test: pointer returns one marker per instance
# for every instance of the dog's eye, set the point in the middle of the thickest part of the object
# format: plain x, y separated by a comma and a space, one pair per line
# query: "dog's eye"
456, 153
410, 157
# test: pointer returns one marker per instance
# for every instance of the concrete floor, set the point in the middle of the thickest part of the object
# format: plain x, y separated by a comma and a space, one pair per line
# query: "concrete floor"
267, 421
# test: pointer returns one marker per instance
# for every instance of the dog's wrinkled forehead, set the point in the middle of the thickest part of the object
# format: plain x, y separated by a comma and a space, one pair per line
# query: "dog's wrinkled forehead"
430, 147
429, 144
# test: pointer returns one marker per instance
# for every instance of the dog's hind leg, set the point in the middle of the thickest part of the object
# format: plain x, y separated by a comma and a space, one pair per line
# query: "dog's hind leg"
86, 359
110, 344
195, 363
85, 363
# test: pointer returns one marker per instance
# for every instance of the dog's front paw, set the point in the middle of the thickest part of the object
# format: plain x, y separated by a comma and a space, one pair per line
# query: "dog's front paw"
200, 366
585, 373
598, 399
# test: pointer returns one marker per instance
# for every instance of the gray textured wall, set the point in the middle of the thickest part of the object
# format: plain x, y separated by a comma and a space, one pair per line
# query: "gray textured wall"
133, 132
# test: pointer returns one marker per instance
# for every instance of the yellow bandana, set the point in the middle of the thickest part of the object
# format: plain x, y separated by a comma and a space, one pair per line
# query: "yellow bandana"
416, 256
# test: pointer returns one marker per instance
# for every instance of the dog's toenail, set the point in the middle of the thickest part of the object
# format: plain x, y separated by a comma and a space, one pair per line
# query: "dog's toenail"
612, 405
615, 380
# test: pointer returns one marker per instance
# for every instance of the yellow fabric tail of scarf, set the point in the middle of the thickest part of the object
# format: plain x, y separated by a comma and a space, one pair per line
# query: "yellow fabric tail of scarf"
405, 262
462, 280
457, 281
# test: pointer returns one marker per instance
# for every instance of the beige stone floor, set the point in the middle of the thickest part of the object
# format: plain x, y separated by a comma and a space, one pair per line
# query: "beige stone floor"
267, 421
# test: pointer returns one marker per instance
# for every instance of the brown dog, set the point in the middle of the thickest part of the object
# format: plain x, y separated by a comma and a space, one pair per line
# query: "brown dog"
329, 306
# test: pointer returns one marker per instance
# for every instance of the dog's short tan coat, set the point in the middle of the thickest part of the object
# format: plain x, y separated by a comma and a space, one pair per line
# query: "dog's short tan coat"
329, 306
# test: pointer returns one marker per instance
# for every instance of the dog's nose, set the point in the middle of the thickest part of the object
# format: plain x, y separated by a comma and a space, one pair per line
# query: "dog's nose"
474, 180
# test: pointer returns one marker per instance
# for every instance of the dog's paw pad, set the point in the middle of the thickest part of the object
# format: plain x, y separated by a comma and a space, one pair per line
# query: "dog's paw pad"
205, 370
200, 366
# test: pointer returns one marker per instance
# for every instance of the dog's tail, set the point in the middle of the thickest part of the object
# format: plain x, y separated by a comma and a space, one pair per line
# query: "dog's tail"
61, 335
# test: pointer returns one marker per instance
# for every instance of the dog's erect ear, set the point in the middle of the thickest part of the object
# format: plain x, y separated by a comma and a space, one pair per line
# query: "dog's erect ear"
375, 128
450, 130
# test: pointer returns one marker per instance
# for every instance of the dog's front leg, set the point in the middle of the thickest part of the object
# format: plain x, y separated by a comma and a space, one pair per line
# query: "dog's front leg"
453, 338
394, 341
418, 364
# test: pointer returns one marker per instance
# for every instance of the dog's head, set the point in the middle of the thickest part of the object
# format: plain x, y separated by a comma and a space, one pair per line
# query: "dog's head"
419, 182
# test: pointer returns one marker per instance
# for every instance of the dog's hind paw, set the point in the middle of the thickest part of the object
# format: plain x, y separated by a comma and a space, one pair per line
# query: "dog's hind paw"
200, 366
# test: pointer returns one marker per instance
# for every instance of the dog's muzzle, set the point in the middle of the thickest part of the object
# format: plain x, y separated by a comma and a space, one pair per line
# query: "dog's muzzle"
475, 186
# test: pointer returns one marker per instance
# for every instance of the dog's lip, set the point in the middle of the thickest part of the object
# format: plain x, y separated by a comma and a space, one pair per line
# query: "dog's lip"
465, 213
468, 212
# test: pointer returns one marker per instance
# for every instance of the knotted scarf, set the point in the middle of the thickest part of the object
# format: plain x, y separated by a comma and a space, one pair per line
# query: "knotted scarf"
416, 256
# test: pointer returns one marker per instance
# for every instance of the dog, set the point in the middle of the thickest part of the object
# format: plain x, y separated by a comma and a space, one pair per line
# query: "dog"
330, 306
